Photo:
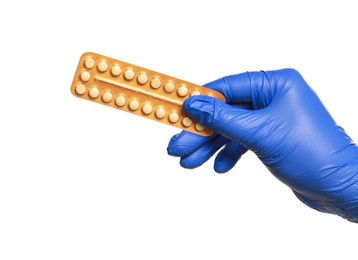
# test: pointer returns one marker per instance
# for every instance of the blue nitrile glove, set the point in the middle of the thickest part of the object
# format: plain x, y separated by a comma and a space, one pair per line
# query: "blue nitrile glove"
276, 115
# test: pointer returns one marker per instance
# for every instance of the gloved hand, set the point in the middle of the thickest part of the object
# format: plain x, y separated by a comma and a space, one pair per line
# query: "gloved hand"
276, 115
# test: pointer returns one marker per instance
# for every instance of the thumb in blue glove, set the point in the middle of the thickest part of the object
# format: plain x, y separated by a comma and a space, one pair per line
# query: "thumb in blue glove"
276, 115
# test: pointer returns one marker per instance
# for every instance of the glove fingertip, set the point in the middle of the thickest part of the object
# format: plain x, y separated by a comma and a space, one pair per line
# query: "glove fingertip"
222, 166
178, 150
187, 164
221, 169
227, 158
201, 108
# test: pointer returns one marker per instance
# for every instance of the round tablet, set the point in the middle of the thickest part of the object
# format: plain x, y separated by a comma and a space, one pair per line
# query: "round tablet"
169, 87
174, 117
147, 109
89, 63
107, 97
142, 78
80, 89
102, 66
187, 121
183, 91
94, 92
199, 127
160, 113
129, 74
85, 76
116, 70
120, 101
155, 83
195, 93
134, 105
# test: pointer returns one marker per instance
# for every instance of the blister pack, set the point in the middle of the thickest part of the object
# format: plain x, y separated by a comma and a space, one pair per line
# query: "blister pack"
137, 90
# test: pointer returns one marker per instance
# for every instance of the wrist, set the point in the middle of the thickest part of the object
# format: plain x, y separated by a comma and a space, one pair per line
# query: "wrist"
341, 198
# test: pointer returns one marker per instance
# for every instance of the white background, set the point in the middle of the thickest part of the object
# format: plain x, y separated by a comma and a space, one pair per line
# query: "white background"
83, 181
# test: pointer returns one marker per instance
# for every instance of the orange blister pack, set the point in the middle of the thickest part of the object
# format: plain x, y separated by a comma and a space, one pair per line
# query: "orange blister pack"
138, 91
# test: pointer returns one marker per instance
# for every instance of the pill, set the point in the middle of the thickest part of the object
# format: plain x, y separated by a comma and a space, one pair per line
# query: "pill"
89, 63
174, 117
155, 83
116, 70
160, 113
199, 127
120, 101
80, 89
187, 121
183, 91
195, 93
147, 109
129, 74
107, 97
142, 78
169, 87
94, 92
102, 66
134, 105
85, 76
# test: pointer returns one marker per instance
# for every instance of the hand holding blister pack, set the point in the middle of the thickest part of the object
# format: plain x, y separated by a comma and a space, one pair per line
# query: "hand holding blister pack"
276, 115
